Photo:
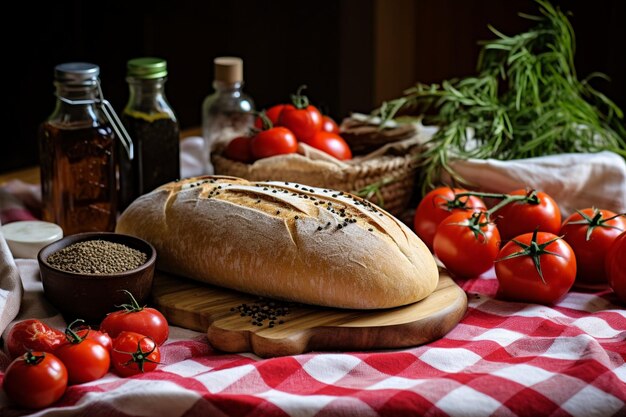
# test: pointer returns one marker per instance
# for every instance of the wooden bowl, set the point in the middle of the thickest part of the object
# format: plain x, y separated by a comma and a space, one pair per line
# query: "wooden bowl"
91, 296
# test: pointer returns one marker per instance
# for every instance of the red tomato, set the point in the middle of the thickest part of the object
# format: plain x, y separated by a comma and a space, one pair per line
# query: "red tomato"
35, 380
273, 113
615, 265
303, 119
86, 360
439, 204
238, 149
134, 318
97, 336
590, 233
33, 335
467, 243
517, 218
134, 353
329, 125
519, 277
275, 141
332, 144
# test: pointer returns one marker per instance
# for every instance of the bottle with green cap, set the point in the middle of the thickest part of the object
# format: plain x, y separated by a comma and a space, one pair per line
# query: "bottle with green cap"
154, 129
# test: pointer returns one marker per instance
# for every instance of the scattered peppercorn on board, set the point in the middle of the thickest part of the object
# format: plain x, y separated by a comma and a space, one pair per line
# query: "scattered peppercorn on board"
238, 322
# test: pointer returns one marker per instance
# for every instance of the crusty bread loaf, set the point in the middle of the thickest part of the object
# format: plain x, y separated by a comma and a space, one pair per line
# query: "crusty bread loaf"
283, 240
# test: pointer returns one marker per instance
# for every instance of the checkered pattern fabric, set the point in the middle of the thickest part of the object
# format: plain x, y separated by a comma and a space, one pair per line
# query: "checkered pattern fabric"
503, 359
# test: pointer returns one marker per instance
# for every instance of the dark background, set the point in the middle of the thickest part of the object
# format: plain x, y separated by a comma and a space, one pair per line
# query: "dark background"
352, 54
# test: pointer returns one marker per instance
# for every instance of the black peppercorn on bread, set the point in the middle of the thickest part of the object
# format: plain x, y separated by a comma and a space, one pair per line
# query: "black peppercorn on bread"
283, 240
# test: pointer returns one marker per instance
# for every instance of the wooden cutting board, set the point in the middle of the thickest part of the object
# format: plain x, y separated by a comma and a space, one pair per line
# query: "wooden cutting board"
298, 328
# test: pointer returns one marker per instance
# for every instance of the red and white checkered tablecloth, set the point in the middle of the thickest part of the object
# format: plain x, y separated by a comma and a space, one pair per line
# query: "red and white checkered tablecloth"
502, 359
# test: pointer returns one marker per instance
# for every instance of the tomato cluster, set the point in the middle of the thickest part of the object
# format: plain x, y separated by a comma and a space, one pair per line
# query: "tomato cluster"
47, 360
281, 127
537, 256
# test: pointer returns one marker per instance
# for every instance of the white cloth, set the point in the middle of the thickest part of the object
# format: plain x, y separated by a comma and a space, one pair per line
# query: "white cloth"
10, 288
575, 181
191, 157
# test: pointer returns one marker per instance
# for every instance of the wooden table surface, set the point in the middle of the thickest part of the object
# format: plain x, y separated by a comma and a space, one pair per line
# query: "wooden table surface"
31, 174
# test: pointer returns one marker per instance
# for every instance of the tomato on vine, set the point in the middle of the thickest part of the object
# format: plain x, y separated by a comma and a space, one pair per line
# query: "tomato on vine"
303, 119
273, 114
32, 334
615, 265
239, 149
467, 243
143, 320
332, 144
274, 141
134, 353
100, 337
329, 125
535, 267
537, 211
439, 204
35, 380
85, 359
590, 232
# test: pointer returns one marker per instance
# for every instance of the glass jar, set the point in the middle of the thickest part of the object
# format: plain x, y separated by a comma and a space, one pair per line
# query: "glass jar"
153, 128
228, 112
77, 151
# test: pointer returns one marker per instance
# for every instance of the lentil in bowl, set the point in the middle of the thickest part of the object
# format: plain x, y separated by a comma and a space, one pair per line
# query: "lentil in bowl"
83, 275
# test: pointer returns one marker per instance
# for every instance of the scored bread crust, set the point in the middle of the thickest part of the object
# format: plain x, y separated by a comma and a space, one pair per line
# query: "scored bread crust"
283, 240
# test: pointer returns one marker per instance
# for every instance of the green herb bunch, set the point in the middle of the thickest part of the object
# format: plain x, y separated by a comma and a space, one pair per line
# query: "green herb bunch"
526, 101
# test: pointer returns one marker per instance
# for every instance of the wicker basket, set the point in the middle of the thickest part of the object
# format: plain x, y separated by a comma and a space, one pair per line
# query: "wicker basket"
385, 177
364, 137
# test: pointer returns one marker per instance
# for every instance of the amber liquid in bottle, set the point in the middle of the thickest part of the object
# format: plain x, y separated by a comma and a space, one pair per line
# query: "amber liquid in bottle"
78, 176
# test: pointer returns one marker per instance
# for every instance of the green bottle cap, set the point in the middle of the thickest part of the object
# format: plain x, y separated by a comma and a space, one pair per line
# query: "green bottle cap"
147, 68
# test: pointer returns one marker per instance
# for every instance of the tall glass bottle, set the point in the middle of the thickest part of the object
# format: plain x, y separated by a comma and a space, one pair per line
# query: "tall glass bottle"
154, 129
77, 150
227, 112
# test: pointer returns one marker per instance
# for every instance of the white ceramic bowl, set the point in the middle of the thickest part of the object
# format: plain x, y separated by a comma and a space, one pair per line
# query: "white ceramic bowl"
26, 238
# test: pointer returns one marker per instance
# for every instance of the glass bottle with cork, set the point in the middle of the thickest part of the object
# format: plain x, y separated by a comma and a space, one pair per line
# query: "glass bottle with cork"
154, 129
77, 151
228, 112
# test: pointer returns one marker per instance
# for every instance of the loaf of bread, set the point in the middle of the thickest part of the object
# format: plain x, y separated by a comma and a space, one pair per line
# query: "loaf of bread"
283, 240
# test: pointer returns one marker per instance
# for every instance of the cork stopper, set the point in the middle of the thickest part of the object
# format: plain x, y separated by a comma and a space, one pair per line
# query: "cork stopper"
228, 69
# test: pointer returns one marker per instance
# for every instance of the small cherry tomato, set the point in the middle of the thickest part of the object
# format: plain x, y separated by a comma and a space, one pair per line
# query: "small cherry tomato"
329, 125
590, 233
332, 144
467, 243
274, 141
134, 353
85, 359
238, 149
32, 334
303, 119
102, 338
615, 265
134, 318
273, 113
35, 380
439, 204
539, 212
535, 267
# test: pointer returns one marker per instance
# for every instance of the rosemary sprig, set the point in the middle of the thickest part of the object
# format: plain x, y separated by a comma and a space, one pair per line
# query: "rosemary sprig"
525, 101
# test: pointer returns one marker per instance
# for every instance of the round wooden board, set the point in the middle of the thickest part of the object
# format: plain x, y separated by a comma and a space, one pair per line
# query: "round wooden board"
203, 307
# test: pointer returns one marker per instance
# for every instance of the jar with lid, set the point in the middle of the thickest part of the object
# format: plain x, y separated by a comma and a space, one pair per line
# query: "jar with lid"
153, 128
228, 112
77, 152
